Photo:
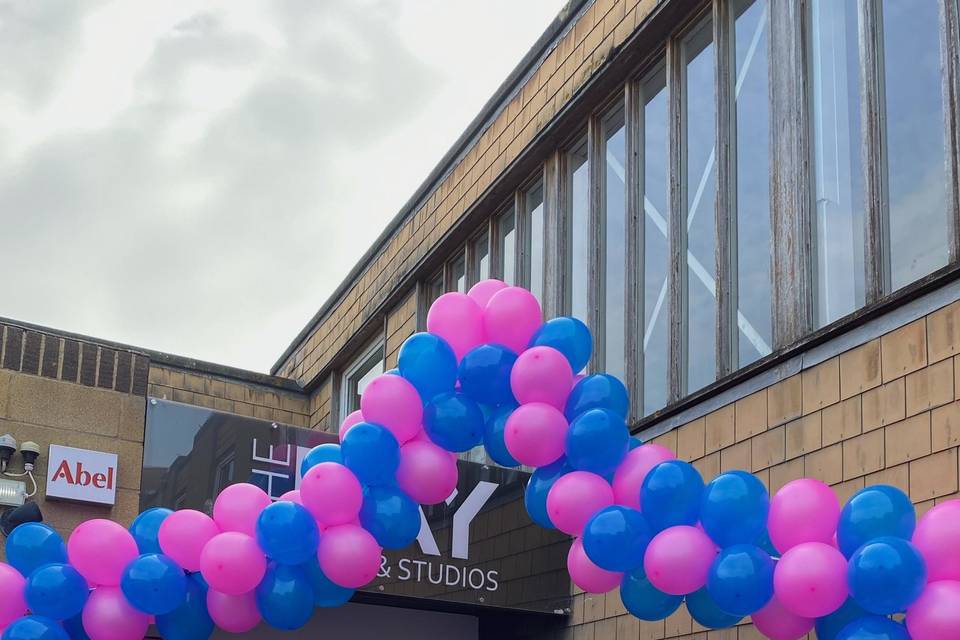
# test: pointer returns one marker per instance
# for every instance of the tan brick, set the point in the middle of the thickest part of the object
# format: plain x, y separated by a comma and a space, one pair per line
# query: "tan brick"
736, 457
904, 351
846, 489
956, 377
908, 440
605, 629
628, 627
945, 427
720, 428
613, 604
751, 415
802, 435
860, 369
921, 508
690, 440
708, 466
862, 455
943, 332
933, 476
821, 385
651, 630
668, 440
764, 477
842, 421
784, 401
929, 387
593, 605
785, 472
767, 449
884, 405
679, 622
898, 476
826, 464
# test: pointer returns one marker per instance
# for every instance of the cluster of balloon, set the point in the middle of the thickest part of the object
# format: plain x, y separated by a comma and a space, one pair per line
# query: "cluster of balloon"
490, 372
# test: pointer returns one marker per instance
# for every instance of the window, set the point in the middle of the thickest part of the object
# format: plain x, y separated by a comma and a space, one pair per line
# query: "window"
577, 262
506, 230
613, 306
226, 468
479, 259
457, 274
357, 376
534, 245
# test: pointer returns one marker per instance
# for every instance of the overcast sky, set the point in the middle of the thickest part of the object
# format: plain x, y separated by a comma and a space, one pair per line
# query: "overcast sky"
198, 176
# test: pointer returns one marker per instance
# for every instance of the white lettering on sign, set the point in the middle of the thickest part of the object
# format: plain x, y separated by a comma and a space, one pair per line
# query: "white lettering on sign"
82, 475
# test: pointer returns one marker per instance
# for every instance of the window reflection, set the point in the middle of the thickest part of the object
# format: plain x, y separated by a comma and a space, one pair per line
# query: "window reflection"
578, 229
458, 274
533, 202
480, 253
358, 375
615, 247
507, 247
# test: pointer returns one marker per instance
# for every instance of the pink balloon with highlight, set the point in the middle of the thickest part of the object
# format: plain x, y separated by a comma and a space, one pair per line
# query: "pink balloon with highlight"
778, 623
511, 317
629, 476
353, 418
574, 498
937, 537
233, 563
458, 319
427, 473
12, 602
100, 550
678, 560
588, 576
935, 615
810, 579
292, 496
238, 507
331, 493
349, 556
804, 510
233, 613
484, 290
108, 616
535, 434
542, 374
184, 534
393, 403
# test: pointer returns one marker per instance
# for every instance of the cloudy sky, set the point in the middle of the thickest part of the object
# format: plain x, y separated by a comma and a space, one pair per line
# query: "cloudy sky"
198, 176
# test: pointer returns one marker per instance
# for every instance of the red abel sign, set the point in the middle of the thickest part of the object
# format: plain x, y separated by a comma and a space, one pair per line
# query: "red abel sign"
82, 475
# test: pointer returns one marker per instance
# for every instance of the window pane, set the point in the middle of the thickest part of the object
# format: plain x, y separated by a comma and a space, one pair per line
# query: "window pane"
838, 172
915, 140
700, 190
656, 246
534, 215
481, 259
434, 289
615, 212
358, 376
507, 247
753, 179
458, 274
578, 226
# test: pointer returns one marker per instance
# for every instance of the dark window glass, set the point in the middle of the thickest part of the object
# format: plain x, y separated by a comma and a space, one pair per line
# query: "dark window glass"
615, 246
578, 230
533, 202
507, 247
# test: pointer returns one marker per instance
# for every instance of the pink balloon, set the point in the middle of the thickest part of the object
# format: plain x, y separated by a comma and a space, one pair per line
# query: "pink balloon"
778, 623
574, 498
393, 403
587, 575
935, 615
108, 616
542, 374
100, 550
183, 534
458, 319
484, 290
233, 613
427, 473
810, 579
233, 563
349, 556
804, 510
12, 603
352, 419
511, 317
292, 496
635, 466
535, 434
937, 537
331, 493
238, 507
678, 560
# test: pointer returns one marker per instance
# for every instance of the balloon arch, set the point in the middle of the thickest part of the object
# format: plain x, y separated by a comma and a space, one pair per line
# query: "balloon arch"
490, 371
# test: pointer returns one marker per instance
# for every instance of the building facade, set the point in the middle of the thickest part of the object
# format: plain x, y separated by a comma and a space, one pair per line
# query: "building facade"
754, 205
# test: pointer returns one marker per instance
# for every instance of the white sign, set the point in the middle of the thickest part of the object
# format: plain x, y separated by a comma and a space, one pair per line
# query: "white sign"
82, 475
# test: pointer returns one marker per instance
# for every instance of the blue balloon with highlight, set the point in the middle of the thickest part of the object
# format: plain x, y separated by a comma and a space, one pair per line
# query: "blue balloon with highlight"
285, 598
32, 545
740, 579
535, 495
733, 508
56, 591
485, 374
597, 441
35, 627
146, 528
429, 364
326, 452
454, 422
390, 516
493, 437
569, 336
616, 538
671, 494
886, 575
154, 584
598, 391
287, 532
191, 620
326, 594
372, 453
645, 601
873, 628
874, 512
707, 613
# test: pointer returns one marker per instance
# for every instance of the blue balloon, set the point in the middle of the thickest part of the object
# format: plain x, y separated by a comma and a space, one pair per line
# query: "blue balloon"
874, 512
597, 441
74, 628
285, 597
287, 533
392, 372
733, 509
830, 626
493, 437
145, 529
874, 628
569, 336
707, 613
429, 364
599, 391
886, 575
635, 442
535, 495
372, 453
191, 620
32, 545
56, 591
671, 494
763, 541
35, 628
740, 580
325, 593
390, 516
485, 374
154, 584
453, 421
327, 452
644, 600
616, 538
